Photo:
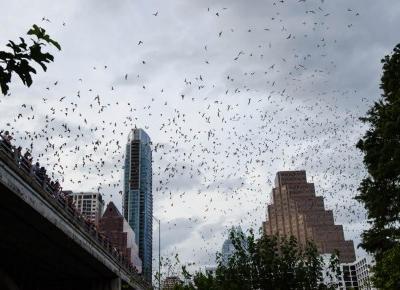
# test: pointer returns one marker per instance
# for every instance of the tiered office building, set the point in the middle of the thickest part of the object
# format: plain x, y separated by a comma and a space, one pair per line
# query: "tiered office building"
297, 211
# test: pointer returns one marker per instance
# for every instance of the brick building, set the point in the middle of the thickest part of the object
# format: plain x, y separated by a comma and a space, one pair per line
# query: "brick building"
116, 228
297, 211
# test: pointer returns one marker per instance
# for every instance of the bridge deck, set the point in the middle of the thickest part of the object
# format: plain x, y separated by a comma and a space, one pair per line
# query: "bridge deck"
44, 242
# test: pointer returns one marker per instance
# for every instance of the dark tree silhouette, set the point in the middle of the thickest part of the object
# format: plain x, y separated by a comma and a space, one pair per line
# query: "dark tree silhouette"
380, 190
20, 58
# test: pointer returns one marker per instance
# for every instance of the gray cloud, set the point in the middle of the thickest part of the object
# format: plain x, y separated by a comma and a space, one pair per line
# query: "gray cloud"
176, 231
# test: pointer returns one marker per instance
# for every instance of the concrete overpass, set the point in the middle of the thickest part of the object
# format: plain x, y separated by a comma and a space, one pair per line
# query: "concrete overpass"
46, 245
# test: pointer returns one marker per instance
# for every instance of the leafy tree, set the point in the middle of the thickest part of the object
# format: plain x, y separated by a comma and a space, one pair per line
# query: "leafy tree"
264, 263
19, 59
380, 190
387, 270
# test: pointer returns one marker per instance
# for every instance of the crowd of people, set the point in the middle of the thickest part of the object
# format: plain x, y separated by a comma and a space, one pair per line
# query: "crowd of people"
25, 162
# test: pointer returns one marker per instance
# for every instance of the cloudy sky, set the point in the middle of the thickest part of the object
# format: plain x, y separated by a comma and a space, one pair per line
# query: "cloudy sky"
230, 92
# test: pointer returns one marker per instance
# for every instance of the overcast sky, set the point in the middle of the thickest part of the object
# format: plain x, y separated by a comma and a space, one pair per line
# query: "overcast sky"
230, 92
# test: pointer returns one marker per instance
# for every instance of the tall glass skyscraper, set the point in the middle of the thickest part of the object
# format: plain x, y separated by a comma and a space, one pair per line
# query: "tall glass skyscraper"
138, 197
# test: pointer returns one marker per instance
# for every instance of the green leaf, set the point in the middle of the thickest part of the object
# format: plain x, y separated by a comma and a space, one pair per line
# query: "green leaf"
40, 33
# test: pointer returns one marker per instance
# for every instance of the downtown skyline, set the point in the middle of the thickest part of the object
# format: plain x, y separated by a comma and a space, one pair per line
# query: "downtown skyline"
215, 170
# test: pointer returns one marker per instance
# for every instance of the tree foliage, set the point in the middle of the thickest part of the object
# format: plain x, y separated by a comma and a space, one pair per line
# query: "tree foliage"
380, 190
387, 270
21, 57
264, 263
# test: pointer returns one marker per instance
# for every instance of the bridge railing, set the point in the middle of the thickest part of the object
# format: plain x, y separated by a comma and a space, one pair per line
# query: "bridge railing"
25, 169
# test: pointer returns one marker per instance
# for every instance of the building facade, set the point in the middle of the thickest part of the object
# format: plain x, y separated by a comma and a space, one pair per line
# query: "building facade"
297, 211
363, 274
90, 204
354, 276
138, 197
170, 282
118, 231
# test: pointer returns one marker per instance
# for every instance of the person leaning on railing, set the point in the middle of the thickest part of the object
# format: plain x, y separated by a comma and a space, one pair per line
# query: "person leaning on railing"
41, 174
55, 188
6, 139
35, 168
26, 162
18, 154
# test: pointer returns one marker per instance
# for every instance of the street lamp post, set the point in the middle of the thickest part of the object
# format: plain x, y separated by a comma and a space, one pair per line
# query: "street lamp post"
159, 251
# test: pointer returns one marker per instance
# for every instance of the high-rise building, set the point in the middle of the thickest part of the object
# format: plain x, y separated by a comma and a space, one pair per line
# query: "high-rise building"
297, 211
228, 249
119, 232
90, 204
138, 197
